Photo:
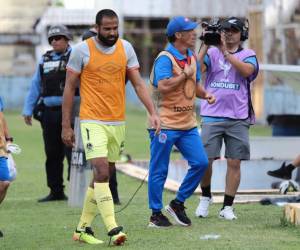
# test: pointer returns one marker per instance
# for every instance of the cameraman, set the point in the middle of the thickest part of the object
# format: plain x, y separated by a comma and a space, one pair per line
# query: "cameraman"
230, 70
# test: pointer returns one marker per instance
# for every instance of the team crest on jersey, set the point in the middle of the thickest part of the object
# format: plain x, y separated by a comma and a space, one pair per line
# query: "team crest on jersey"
89, 147
162, 138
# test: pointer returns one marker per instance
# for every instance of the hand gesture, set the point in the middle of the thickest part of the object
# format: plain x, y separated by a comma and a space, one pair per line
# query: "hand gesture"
188, 70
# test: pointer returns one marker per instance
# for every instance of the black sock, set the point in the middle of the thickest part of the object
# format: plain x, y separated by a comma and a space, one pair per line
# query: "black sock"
206, 191
290, 167
228, 200
178, 202
156, 213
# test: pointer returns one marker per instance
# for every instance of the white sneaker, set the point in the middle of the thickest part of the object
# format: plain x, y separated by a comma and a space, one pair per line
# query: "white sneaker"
202, 209
227, 213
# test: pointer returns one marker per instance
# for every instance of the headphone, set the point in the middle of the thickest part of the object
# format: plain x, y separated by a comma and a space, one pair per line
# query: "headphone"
245, 30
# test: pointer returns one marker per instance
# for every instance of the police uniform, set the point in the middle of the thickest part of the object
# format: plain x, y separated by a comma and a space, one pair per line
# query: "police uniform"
48, 84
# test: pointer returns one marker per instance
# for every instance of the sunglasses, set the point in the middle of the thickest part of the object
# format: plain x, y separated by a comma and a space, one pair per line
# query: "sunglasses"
56, 38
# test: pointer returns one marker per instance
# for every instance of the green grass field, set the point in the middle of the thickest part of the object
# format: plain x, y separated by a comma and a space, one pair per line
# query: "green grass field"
29, 225
137, 141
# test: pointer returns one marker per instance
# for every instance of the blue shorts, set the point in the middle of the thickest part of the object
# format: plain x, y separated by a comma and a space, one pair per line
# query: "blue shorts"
4, 171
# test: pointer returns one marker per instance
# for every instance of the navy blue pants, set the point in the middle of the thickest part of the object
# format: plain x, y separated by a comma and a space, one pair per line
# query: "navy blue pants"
55, 149
190, 146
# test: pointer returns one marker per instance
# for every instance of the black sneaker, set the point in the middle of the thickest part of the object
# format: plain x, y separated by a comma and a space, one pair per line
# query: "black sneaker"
159, 221
177, 211
283, 172
54, 197
1, 234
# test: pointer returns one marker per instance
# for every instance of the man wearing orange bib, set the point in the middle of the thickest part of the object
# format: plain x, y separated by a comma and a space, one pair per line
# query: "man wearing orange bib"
100, 64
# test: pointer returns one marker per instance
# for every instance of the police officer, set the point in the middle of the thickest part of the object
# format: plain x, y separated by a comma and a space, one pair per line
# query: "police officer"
48, 84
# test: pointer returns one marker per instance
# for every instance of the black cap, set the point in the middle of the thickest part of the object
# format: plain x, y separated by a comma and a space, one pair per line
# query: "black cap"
233, 22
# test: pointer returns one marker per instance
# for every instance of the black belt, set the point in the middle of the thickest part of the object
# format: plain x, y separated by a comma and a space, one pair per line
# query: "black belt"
53, 108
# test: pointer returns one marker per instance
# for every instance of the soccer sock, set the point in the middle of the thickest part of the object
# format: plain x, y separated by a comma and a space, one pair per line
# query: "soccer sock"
89, 210
105, 204
228, 200
206, 191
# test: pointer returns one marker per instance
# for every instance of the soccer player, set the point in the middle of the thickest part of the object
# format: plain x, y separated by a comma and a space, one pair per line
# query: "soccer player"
4, 172
113, 183
100, 64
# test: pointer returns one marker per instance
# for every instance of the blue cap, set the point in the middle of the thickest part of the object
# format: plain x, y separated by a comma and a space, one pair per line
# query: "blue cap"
180, 23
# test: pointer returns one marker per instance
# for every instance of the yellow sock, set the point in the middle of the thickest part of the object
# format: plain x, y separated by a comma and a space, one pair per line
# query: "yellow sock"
89, 210
105, 204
